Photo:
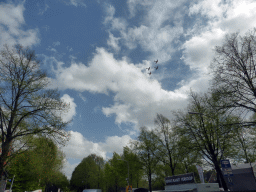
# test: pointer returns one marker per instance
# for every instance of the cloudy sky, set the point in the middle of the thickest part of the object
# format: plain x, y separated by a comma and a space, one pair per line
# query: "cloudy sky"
96, 53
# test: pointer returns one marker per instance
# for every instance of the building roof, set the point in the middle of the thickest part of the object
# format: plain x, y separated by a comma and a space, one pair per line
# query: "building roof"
243, 166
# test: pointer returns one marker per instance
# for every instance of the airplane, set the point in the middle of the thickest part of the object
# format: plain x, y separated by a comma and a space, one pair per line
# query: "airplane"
150, 73
148, 68
156, 67
156, 61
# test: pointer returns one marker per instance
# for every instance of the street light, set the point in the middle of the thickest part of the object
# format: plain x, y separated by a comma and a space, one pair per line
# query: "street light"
128, 168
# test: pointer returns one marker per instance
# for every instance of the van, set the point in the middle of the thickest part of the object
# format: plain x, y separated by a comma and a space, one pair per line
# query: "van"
92, 190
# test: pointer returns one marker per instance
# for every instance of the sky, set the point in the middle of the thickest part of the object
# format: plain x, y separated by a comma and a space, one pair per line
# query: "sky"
96, 54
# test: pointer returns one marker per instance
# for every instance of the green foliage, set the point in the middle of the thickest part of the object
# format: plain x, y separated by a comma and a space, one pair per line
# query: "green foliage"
135, 166
145, 147
88, 174
36, 167
115, 173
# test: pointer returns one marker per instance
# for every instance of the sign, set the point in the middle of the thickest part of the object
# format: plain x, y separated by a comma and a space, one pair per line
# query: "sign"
201, 173
180, 179
129, 188
226, 168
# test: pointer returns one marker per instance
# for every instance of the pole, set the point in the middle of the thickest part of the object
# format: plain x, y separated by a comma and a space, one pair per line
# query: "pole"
12, 183
2, 177
128, 173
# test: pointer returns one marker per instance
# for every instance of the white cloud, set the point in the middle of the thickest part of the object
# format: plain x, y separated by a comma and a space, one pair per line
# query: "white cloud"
113, 42
51, 49
151, 34
82, 97
137, 97
41, 11
211, 9
198, 51
79, 147
69, 48
116, 144
57, 43
110, 11
67, 116
224, 18
11, 20
75, 3
69, 168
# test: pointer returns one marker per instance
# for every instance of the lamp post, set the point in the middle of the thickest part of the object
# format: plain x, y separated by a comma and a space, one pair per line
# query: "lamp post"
12, 183
128, 170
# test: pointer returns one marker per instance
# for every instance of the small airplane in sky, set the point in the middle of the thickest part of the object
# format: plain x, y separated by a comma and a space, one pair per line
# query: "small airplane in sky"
148, 68
156, 61
150, 73
156, 67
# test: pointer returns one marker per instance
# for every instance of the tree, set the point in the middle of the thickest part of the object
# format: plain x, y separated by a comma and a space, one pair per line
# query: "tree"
135, 166
208, 131
189, 158
234, 72
144, 147
27, 106
168, 151
115, 173
36, 168
87, 175
244, 142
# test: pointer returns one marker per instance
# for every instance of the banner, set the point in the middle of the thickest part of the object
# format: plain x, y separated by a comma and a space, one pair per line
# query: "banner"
226, 168
180, 179
201, 173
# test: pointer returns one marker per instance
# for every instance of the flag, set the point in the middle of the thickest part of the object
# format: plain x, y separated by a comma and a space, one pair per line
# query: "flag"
201, 174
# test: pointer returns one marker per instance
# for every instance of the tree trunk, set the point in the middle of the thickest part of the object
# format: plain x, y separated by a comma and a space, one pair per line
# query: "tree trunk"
131, 180
149, 180
220, 177
5, 150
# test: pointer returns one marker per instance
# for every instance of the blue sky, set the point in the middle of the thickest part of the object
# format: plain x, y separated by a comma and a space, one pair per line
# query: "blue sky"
96, 53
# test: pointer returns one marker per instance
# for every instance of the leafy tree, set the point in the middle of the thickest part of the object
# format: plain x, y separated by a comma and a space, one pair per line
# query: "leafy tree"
167, 151
27, 107
135, 166
208, 131
234, 72
88, 174
35, 168
144, 147
171, 150
115, 173
61, 181
189, 158
100, 173
244, 143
